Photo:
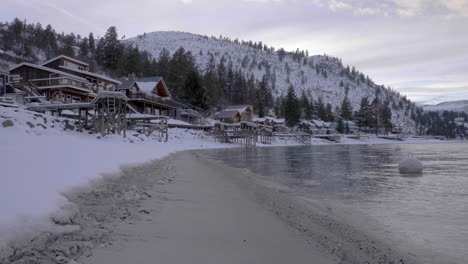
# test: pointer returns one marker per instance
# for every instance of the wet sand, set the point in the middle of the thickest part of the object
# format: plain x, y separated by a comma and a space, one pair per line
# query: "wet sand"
206, 216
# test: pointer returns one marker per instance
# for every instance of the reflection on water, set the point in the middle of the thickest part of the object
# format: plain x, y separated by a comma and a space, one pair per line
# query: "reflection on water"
429, 211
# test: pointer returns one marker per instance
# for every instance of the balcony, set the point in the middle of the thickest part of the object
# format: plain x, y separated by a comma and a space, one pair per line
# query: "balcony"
147, 97
61, 82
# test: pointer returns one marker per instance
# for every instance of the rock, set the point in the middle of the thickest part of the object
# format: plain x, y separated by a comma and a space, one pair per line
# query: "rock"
69, 213
31, 125
410, 165
8, 123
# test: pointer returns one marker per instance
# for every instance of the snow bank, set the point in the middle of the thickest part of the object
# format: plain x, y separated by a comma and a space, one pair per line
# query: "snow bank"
42, 156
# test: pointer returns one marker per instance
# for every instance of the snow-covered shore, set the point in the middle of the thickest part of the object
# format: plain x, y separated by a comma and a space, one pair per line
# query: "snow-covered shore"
42, 157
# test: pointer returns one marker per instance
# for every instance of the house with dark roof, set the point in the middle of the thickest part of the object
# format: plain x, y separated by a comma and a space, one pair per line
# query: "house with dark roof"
61, 80
54, 85
148, 95
246, 111
228, 116
82, 69
3, 79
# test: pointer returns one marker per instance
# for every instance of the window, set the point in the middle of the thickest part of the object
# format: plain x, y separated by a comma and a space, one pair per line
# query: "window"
76, 99
80, 68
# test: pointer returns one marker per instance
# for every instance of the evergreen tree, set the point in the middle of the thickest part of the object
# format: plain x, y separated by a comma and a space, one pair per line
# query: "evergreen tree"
163, 63
194, 92
304, 104
363, 115
67, 49
111, 49
329, 116
386, 116
84, 48
91, 44
340, 126
210, 81
321, 110
374, 117
292, 113
180, 65
346, 110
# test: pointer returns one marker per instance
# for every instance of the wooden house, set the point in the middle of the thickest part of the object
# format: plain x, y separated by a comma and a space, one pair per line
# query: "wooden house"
82, 69
228, 116
188, 112
149, 95
3, 80
263, 121
246, 111
55, 85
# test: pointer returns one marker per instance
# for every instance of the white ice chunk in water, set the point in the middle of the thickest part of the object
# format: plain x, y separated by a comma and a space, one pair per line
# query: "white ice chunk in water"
410, 165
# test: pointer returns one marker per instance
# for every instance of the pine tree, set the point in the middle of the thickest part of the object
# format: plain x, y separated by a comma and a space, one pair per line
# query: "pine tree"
340, 126
386, 116
321, 111
375, 115
346, 110
67, 49
194, 92
330, 117
84, 48
91, 44
111, 49
362, 116
292, 113
180, 65
163, 63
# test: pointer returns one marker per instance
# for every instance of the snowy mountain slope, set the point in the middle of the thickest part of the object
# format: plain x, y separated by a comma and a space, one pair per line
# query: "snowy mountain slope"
319, 76
457, 106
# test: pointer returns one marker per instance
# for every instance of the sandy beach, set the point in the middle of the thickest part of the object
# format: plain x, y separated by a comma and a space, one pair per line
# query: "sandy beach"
207, 218
188, 208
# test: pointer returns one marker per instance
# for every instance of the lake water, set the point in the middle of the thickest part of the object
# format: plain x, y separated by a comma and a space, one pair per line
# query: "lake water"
425, 214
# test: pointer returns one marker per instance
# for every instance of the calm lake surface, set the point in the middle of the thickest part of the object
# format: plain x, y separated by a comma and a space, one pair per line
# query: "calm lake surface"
425, 214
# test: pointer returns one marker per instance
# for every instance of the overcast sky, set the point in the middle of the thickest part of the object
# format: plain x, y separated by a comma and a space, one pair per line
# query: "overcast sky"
418, 47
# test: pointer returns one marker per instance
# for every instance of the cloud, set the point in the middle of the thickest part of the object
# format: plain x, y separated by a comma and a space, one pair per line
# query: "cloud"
186, 1
262, 1
335, 5
366, 11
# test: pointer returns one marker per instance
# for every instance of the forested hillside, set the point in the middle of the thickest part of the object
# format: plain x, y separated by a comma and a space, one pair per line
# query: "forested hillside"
213, 72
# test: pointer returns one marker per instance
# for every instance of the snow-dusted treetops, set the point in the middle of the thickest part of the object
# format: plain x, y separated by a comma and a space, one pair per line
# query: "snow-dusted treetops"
213, 72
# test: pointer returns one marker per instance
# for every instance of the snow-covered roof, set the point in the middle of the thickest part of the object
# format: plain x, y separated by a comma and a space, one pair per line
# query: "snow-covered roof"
44, 68
146, 87
259, 119
226, 114
240, 108
319, 123
279, 120
68, 58
127, 84
91, 74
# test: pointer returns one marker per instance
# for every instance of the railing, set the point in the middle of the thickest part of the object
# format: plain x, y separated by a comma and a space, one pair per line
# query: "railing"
145, 96
61, 81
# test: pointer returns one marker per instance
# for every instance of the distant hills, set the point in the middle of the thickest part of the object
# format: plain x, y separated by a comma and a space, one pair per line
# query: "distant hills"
457, 106
318, 76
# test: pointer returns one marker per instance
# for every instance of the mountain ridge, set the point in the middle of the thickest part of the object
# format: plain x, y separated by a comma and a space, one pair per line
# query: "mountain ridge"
319, 76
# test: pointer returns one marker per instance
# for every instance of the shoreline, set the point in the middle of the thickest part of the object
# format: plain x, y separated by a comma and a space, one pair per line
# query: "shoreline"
139, 209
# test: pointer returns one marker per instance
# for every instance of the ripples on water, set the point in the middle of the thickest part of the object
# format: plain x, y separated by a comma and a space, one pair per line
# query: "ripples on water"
426, 212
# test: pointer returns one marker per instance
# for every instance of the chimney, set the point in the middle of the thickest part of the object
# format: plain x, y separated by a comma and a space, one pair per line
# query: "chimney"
131, 76
93, 66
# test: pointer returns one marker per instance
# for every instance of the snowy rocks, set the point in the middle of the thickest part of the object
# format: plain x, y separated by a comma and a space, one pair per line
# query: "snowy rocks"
8, 123
410, 165
68, 214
